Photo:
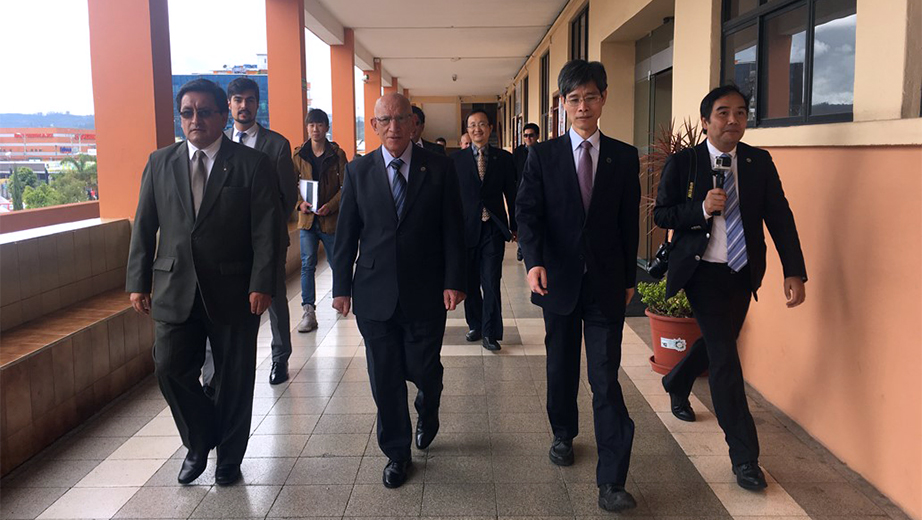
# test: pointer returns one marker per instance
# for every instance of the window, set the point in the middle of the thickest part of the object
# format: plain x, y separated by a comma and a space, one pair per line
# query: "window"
579, 36
796, 58
545, 92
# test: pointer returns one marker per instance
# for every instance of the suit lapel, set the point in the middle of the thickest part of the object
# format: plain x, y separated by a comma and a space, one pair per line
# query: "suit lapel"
744, 179
604, 184
418, 170
567, 169
261, 137
181, 175
216, 179
381, 188
474, 170
704, 180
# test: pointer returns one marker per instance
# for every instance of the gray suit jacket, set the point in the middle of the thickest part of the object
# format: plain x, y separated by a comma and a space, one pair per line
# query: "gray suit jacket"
278, 149
226, 252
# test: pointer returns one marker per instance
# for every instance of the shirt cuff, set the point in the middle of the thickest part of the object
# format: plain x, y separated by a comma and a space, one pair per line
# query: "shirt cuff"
706, 216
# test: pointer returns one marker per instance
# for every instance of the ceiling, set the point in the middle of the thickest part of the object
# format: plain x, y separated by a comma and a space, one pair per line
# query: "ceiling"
424, 43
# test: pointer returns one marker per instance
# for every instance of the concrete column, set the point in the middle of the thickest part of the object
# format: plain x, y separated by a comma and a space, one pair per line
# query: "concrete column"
132, 94
287, 68
696, 58
372, 93
394, 88
342, 72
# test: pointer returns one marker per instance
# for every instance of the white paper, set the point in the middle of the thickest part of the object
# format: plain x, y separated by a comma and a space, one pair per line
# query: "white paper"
310, 193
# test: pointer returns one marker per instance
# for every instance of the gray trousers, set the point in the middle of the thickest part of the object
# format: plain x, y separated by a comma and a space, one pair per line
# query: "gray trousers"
279, 321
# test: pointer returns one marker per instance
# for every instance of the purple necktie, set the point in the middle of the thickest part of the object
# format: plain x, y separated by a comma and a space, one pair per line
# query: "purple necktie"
584, 174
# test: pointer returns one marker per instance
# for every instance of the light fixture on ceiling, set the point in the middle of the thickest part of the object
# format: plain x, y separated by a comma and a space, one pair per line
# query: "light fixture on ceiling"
454, 77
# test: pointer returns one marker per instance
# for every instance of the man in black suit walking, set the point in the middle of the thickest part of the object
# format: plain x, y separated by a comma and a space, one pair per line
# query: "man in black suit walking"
212, 272
716, 198
486, 175
529, 137
417, 134
400, 212
243, 101
577, 211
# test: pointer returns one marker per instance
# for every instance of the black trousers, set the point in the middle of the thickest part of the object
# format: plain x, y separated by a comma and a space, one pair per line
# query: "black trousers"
614, 429
279, 321
720, 300
179, 351
400, 350
485, 269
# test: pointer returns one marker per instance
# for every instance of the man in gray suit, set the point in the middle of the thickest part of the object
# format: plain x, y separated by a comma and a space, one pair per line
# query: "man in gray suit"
243, 101
212, 272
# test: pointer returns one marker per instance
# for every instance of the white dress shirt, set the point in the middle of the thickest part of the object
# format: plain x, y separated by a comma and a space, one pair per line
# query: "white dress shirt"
576, 140
405, 169
716, 251
211, 151
251, 134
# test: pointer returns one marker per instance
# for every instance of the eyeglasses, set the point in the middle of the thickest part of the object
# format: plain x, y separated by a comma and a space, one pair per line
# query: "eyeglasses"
481, 124
530, 136
386, 120
589, 100
204, 113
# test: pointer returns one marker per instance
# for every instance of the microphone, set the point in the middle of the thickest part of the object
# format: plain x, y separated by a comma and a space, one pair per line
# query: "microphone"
719, 179
722, 168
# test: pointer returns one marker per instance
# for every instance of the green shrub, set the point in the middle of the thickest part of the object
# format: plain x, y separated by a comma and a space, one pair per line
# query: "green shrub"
654, 296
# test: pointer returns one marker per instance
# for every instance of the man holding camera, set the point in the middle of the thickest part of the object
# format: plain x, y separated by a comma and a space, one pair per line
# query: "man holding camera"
718, 257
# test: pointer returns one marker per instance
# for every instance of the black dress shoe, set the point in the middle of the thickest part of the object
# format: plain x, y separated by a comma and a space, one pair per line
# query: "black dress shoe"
615, 498
209, 391
426, 433
491, 344
749, 476
395, 473
472, 335
278, 373
562, 452
681, 408
227, 474
192, 467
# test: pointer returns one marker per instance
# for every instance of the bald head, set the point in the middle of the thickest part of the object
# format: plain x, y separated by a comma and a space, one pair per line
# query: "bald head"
393, 122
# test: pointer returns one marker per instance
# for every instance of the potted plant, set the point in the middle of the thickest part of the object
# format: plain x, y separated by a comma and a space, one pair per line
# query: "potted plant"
672, 327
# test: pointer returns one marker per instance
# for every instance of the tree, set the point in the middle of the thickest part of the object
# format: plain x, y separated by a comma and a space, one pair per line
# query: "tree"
40, 197
84, 166
21, 179
70, 187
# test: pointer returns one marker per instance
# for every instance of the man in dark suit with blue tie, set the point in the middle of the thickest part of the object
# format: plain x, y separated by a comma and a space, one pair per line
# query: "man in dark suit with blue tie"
716, 198
400, 212
486, 175
577, 212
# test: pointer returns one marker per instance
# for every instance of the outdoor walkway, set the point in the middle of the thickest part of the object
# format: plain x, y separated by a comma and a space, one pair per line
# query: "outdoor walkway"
313, 452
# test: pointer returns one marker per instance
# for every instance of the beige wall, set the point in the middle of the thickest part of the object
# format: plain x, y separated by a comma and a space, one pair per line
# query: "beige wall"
847, 365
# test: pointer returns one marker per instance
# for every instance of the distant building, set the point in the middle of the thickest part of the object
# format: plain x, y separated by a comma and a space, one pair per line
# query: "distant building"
45, 144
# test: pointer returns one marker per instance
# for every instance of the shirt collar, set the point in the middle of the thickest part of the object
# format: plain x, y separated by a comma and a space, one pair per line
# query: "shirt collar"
717, 153
405, 156
210, 150
576, 139
485, 148
250, 132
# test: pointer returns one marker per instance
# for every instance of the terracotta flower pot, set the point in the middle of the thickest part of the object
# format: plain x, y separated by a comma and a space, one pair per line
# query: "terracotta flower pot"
672, 337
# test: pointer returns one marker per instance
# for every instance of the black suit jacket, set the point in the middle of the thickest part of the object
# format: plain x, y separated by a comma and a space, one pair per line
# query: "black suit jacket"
555, 232
498, 181
519, 155
761, 200
227, 252
410, 261
278, 149
434, 147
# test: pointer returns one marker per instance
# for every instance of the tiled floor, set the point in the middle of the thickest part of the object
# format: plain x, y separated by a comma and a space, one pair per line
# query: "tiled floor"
313, 451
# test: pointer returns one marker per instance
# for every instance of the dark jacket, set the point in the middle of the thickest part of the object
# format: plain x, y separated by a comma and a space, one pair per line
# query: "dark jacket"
761, 199
555, 232
331, 182
228, 251
519, 155
498, 182
434, 147
411, 261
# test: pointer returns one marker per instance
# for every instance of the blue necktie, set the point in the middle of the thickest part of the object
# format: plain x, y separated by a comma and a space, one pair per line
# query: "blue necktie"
399, 187
736, 239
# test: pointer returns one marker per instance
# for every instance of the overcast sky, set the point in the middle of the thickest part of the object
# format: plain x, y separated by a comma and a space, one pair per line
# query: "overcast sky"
47, 44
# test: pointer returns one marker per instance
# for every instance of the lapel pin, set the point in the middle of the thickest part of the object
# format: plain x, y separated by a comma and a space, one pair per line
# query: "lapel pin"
422, 169
748, 160
608, 160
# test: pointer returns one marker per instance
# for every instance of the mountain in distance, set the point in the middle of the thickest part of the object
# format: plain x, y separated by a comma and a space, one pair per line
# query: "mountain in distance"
48, 120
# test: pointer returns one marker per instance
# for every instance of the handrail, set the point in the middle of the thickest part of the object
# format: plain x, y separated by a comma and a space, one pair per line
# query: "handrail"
39, 217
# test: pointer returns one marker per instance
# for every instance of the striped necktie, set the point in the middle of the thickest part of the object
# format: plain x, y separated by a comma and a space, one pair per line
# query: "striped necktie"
482, 172
399, 187
736, 239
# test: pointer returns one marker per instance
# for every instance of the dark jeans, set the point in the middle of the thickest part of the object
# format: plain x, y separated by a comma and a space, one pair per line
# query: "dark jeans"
310, 240
720, 300
485, 269
614, 429
400, 350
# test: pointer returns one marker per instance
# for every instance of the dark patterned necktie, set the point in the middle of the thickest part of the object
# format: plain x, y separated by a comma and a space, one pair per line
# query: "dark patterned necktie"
399, 187
199, 177
482, 171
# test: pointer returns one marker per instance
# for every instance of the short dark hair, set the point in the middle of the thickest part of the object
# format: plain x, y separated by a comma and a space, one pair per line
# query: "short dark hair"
203, 85
315, 115
437, 139
707, 104
241, 85
479, 111
418, 112
531, 126
576, 73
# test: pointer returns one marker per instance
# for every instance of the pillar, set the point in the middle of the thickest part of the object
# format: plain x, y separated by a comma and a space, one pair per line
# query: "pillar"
696, 55
342, 77
132, 94
394, 88
372, 93
287, 68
